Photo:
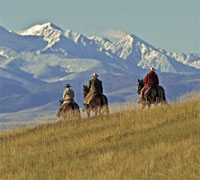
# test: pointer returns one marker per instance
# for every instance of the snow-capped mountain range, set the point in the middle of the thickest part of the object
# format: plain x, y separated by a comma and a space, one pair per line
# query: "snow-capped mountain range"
36, 63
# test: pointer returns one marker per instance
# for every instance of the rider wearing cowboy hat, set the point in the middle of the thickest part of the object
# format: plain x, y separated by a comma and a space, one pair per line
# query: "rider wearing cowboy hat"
95, 87
150, 80
68, 96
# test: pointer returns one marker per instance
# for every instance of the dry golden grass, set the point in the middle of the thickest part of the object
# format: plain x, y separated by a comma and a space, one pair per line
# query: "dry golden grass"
160, 143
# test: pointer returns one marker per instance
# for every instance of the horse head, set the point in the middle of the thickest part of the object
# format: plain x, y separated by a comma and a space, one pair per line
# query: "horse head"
140, 85
61, 102
85, 91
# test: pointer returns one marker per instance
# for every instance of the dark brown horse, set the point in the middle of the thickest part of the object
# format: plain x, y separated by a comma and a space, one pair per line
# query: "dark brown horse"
98, 104
154, 96
69, 111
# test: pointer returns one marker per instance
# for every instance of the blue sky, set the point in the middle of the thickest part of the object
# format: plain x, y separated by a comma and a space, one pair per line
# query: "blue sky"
173, 25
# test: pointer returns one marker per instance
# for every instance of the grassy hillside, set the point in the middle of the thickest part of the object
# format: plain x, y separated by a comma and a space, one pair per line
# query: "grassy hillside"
152, 144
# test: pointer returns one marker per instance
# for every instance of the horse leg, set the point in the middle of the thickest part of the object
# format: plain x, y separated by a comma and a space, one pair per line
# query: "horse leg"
163, 102
75, 114
88, 113
143, 105
149, 105
99, 110
96, 111
105, 109
78, 114
63, 115
69, 115
155, 103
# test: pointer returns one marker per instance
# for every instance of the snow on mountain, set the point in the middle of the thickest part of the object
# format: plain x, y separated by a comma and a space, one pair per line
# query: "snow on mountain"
100, 41
47, 29
3, 55
55, 67
53, 35
20, 43
139, 53
50, 32
130, 48
90, 47
68, 43
74, 36
2, 59
192, 60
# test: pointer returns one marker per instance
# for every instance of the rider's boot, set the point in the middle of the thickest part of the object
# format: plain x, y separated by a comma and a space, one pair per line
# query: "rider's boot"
141, 98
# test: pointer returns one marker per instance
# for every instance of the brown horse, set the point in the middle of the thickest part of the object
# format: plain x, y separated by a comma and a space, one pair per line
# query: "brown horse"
98, 104
69, 111
154, 96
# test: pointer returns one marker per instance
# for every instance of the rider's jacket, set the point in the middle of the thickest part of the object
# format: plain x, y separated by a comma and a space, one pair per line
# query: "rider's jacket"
151, 79
68, 95
95, 86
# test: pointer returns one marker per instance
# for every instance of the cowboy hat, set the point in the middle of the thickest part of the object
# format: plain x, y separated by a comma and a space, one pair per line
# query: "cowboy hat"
67, 85
152, 69
95, 75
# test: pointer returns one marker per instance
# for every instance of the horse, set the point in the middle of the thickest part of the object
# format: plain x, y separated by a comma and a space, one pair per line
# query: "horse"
155, 94
69, 111
98, 104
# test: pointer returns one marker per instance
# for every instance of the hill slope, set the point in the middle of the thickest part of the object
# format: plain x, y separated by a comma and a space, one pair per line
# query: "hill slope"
157, 143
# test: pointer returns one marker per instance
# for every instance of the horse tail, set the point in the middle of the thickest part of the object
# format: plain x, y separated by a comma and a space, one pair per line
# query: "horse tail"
104, 103
104, 100
164, 97
76, 106
162, 94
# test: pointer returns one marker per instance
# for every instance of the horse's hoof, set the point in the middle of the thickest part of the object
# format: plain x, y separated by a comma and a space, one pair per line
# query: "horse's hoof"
139, 101
58, 115
84, 110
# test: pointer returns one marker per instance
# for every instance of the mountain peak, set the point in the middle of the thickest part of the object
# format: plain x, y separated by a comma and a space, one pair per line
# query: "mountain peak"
39, 29
51, 25
50, 32
131, 37
126, 41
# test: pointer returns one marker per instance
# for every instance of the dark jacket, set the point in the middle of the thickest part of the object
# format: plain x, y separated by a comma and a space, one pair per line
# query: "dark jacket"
151, 79
95, 86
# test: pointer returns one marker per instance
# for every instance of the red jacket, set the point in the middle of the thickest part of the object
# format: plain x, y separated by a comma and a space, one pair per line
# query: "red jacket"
151, 79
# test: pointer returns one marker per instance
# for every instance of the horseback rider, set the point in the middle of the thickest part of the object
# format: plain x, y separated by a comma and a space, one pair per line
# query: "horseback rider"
68, 97
150, 80
68, 94
95, 87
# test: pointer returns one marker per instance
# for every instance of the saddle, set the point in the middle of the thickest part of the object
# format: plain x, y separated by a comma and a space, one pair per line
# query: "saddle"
64, 103
147, 92
92, 96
